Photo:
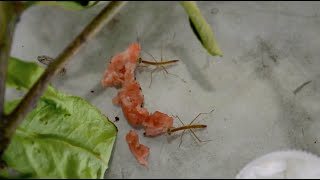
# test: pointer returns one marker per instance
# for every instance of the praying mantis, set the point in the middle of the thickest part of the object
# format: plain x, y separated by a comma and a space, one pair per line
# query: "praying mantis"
190, 127
46, 60
160, 64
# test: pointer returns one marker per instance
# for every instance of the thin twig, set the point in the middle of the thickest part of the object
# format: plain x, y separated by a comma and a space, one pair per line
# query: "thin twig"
301, 86
30, 99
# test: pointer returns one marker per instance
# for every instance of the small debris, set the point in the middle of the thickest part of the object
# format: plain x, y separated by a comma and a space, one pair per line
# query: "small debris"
274, 58
214, 11
116, 119
298, 89
113, 23
92, 91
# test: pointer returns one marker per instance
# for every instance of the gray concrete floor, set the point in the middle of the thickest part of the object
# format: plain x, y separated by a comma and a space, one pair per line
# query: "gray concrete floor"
270, 48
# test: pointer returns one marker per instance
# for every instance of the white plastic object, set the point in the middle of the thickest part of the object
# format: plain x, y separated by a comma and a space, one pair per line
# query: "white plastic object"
291, 164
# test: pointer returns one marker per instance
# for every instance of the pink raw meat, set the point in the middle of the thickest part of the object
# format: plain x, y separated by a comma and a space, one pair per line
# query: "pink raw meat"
122, 67
157, 124
140, 151
131, 99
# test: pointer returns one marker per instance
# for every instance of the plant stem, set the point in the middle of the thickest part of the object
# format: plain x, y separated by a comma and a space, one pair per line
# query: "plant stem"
30, 99
9, 15
201, 28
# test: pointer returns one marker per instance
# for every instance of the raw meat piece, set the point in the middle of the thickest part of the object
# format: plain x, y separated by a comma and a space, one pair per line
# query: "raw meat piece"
130, 95
157, 124
140, 151
135, 116
131, 100
122, 67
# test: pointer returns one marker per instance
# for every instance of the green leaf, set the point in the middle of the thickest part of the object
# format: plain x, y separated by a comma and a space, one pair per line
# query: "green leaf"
5, 174
70, 5
22, 75
63, 137
201, 28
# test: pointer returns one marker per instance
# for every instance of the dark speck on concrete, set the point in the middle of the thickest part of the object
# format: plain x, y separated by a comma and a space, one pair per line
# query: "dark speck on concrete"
214, 11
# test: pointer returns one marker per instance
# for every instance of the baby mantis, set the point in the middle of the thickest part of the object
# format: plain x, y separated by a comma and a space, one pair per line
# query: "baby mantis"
46, 60
190, 126
158, 65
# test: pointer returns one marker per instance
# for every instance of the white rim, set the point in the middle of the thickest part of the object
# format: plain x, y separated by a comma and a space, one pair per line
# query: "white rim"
278, 155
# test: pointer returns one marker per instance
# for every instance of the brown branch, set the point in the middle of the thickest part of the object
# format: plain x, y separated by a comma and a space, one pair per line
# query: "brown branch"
9, 15
31, 98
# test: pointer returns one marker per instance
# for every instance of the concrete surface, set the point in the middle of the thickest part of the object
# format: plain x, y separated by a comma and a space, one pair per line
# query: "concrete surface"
270, 48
